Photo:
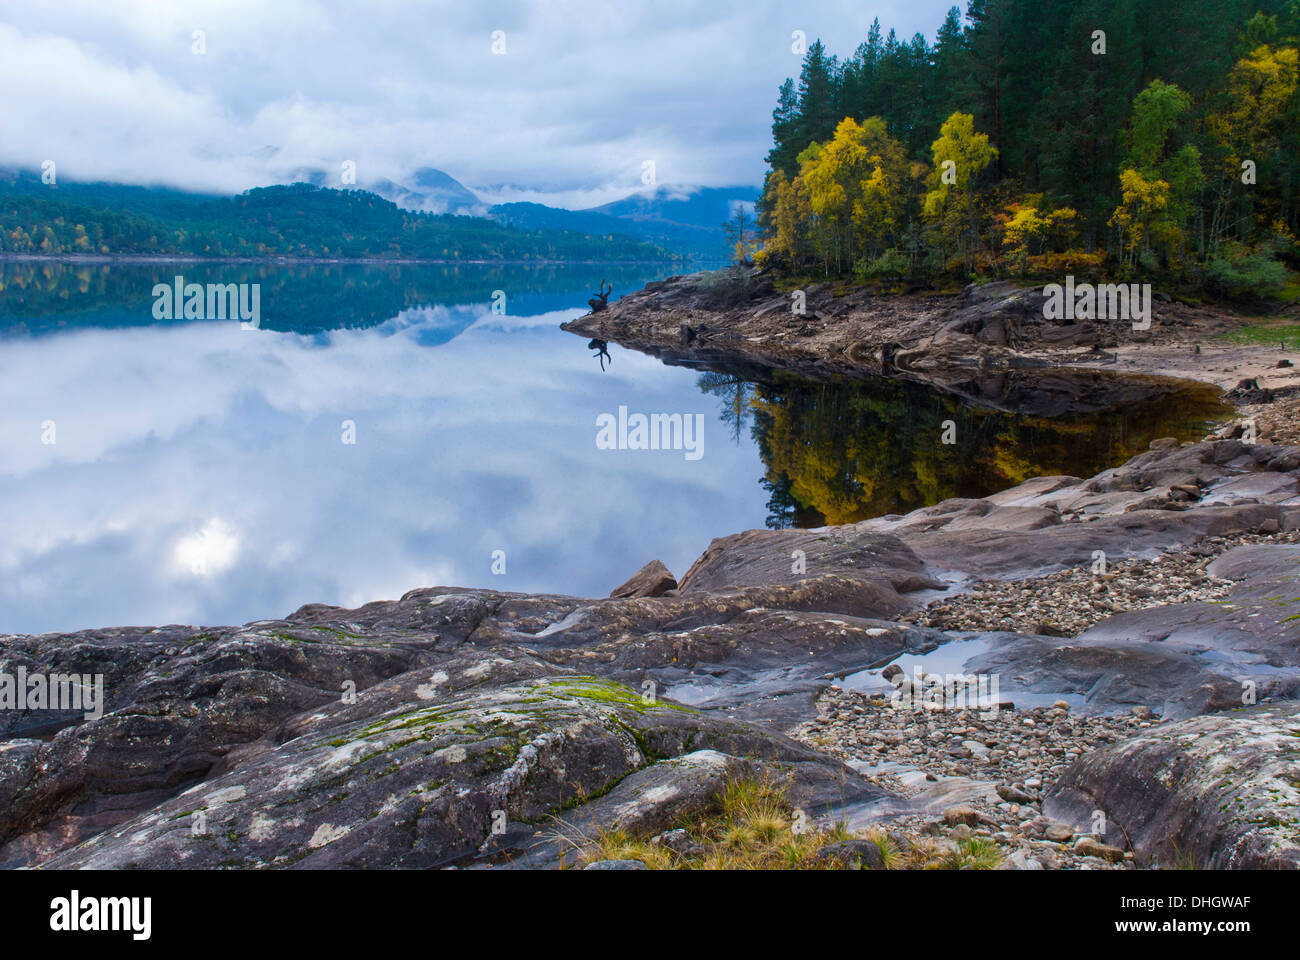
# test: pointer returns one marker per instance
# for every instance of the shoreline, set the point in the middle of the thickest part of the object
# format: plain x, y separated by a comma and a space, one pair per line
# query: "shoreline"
991, 330
147, 258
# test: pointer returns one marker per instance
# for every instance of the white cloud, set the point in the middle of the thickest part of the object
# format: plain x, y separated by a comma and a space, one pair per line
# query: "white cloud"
586, 91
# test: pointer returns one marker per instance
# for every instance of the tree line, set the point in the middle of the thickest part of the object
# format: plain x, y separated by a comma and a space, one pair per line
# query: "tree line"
298, 220
1124, 138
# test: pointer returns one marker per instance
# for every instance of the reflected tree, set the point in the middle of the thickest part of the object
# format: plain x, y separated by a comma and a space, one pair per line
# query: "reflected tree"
840, 452
736, 395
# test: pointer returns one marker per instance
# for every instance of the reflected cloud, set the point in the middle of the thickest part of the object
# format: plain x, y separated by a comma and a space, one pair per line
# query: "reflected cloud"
185, 443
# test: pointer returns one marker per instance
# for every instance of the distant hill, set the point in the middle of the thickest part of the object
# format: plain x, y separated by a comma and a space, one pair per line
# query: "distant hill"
431, 191
151, 201
679, 222
298, 220
701, 207
688, 222
441, 188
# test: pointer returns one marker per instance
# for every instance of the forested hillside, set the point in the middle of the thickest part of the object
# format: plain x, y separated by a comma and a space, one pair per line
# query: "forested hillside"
1123, 138
299, 220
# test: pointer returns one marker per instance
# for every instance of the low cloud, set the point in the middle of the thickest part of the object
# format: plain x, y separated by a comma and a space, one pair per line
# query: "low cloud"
585, 93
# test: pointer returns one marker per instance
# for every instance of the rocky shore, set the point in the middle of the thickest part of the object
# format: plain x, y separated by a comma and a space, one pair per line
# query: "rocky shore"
996, 326
1141, 629
474, 728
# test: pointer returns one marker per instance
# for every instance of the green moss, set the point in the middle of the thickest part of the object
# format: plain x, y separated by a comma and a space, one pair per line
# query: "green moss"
1267, 334
607, 691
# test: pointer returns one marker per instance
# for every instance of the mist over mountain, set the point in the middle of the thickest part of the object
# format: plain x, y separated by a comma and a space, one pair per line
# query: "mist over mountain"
682, 221
300, 220
685, 220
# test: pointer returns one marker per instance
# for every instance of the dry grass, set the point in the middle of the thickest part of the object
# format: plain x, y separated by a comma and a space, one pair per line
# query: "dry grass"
755, 828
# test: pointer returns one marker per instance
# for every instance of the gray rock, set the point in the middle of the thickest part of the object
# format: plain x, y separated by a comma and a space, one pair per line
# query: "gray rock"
854, 854
966, 815
476, 760
1087, 846
1013, 794
679, 842
1219, 792
1058, 833
652, 580
1021, 860
616, 865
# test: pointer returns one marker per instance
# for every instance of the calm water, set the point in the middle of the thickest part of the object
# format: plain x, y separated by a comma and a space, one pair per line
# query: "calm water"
197, 471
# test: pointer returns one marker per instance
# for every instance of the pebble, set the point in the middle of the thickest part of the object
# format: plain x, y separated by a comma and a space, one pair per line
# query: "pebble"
1030, 749
1068, 602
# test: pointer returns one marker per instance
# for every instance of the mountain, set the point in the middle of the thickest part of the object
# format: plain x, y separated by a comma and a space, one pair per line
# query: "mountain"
298, 220
682, 222
151, 201
699, 207
686, 221
431, 191
444, 192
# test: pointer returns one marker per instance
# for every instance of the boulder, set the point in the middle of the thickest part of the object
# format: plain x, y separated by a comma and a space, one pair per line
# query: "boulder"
853, 854
1215, 792
652, 580
478, 760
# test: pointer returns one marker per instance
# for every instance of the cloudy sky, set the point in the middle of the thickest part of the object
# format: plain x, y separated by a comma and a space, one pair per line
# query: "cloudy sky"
585, 92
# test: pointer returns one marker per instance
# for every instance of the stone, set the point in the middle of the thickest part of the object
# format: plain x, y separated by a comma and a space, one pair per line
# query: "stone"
447, 753
616, 865
1013, 794
961, 814
1087, 846
854, 854
1216, 791
652, 580
1021, 860
1058, 833
680, 842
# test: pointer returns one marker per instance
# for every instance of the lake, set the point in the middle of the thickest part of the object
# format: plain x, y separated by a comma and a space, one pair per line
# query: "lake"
384, 428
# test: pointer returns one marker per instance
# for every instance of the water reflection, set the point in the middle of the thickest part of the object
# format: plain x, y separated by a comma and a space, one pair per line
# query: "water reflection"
44, 297
602, 352
839, 451
201, 473
389, 428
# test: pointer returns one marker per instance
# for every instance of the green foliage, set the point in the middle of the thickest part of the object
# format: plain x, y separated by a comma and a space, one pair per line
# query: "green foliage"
890, 265
299, 220
1178, 139
1238, 272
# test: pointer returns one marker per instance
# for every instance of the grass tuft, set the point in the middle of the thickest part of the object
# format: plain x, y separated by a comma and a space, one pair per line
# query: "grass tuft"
754, 827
